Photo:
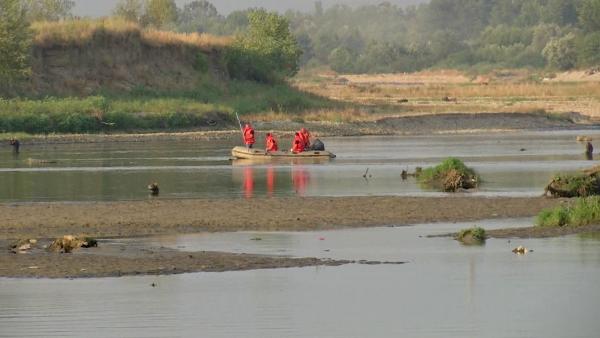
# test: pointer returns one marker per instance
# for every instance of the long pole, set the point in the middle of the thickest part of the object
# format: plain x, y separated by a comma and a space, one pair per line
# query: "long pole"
241, 129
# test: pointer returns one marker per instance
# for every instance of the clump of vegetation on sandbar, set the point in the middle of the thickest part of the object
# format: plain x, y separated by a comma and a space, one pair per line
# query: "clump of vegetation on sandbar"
575, 185
472, 236
584, 211
451, 175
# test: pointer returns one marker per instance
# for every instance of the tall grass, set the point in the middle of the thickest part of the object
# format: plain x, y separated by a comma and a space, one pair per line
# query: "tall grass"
144, 109
82, 31
584, 211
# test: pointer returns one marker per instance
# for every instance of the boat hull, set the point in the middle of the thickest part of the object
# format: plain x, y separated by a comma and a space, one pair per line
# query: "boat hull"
250, 154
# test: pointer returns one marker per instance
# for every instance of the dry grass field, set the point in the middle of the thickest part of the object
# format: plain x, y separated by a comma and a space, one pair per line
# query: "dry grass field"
84, 31
450, 91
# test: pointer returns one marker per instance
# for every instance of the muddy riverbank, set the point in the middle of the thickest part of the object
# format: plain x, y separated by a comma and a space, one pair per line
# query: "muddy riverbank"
123, 260
44, 221
408, 124
543, 232
152, 217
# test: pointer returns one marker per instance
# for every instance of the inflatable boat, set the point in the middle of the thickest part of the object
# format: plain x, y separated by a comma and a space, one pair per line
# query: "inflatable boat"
255, 153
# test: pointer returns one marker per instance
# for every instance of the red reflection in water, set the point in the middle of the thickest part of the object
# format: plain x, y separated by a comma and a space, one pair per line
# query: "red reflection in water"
248, 182
300, 179
270, 181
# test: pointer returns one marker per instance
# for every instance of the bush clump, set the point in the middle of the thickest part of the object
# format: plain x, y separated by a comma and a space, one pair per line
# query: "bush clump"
584, 211
450, 176
472, 236
575, 185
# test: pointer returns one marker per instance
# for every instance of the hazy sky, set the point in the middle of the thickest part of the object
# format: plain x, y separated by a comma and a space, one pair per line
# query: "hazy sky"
103, 7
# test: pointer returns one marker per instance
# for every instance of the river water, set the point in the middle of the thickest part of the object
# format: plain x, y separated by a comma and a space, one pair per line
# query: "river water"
510, 164
444, 290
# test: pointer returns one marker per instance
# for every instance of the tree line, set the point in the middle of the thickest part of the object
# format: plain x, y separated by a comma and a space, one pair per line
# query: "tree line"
561, 34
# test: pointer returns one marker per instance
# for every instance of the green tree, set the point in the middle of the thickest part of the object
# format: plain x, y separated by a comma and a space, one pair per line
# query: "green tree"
51, 10
160, 13
561, 53
444, 43
131, 10
200, 16
342, 60
504, 12
589, 51
15, 42
562, 12
267, 51
589, 15
543, 33
530, 14
236, 22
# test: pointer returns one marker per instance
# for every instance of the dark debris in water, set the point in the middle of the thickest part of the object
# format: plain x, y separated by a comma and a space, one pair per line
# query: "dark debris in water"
367, 262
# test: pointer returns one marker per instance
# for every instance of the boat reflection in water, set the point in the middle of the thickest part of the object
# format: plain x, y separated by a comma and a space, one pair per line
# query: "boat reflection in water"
271, 180
300, 179
248, 182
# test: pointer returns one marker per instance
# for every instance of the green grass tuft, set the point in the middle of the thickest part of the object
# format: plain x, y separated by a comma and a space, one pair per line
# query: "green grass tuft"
584, 211
471, 236
451, 163
574, 185
450, 175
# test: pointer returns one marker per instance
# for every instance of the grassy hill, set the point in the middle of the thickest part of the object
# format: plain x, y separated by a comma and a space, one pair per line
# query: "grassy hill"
83, 57
101, 75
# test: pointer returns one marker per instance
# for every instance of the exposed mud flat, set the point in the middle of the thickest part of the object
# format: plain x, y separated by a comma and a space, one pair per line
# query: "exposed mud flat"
121, 260
142, 218
543, 232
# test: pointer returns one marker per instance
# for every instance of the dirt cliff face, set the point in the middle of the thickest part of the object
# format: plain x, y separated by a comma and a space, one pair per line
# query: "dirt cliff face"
117, 65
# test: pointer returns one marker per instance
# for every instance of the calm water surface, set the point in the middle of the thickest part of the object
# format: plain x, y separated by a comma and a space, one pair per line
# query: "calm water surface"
446, 290
186, 169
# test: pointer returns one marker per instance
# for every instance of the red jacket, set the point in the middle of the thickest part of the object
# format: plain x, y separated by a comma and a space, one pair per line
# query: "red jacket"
249, 135
298, 145
305, 137
271, 143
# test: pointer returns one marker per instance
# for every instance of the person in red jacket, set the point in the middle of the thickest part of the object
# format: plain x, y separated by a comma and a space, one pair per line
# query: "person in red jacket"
298, 144
271, 143
305, 138
249, 136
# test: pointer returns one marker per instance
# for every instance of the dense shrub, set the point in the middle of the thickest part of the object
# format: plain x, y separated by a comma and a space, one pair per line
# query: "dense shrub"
266, 52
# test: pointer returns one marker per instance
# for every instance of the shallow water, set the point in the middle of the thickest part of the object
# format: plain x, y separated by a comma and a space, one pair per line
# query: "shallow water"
186, 169
445, 290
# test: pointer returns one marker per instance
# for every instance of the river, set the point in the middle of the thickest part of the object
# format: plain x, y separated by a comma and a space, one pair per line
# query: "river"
444, 290
510, 164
